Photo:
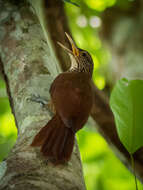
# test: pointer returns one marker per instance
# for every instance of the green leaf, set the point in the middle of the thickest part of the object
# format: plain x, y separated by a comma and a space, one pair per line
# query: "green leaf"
69, 1
6, 145
127, 105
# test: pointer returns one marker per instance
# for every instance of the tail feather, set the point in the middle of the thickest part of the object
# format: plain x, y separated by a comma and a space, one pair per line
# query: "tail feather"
59, 144
56, 140
68, 148
46, 148
43, 134
63, 142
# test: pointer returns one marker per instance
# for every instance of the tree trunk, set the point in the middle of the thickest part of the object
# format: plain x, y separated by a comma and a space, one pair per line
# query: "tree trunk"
29, 67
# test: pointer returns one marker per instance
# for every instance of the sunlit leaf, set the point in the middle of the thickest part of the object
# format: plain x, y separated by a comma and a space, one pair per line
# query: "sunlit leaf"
100, 5
8, 134
87, 140
99, 81
4, 105
6, 145
2, 83
127, 106
7, 125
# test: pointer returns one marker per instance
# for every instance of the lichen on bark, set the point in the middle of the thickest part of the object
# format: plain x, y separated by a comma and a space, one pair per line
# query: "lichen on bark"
29, 67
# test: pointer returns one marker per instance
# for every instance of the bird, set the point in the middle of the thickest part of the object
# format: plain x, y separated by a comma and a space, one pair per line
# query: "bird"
72, 97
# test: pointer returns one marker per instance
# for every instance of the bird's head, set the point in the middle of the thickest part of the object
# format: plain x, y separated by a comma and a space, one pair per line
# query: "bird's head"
80, 59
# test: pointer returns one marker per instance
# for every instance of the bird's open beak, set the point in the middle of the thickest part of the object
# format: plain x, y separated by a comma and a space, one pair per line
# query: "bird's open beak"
75, 50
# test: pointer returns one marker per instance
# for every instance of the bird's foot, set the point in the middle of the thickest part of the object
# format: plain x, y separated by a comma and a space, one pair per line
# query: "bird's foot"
47, 104
51, 106
38, 99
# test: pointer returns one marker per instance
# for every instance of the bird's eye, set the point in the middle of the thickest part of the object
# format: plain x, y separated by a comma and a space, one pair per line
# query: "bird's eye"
84, 54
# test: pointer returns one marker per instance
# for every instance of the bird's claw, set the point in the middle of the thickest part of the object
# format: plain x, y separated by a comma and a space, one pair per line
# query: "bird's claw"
38, 99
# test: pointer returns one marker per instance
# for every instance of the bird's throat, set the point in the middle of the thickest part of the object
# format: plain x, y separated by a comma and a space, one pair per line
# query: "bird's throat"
74, 64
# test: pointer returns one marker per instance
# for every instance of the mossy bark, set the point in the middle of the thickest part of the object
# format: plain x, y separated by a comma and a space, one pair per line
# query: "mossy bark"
29, 67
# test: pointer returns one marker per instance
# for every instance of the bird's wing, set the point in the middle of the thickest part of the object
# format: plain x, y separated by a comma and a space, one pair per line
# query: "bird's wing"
66, 98
71, 99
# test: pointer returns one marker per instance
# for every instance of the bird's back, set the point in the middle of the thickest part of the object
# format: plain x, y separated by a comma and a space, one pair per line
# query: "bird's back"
72, 97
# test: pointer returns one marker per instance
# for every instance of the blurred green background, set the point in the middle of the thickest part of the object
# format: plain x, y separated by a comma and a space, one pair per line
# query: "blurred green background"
102, 169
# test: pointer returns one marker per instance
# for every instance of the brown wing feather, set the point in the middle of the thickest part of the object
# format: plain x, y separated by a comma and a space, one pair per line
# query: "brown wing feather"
72, 97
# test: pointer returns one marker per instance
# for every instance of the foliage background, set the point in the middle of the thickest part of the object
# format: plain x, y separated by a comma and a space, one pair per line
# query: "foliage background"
102, 169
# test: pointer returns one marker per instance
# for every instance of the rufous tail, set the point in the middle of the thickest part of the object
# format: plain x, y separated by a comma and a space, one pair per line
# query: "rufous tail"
56, 140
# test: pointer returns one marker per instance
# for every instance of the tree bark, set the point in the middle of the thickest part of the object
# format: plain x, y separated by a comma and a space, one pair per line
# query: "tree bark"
29, 67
